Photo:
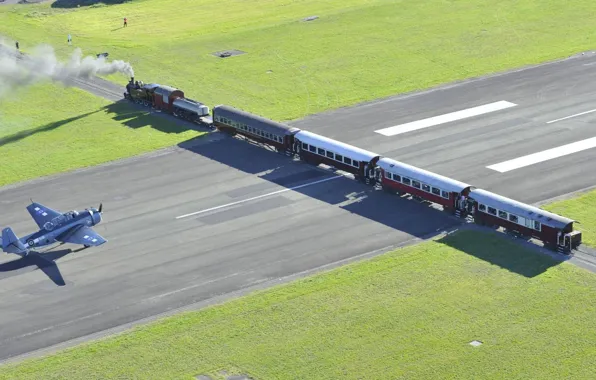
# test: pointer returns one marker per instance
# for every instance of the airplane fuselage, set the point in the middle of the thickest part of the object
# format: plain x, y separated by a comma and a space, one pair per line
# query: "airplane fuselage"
58, 226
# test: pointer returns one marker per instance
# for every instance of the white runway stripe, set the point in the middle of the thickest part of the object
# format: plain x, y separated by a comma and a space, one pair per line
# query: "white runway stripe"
546, 155
259, 197
569, 117
446, 118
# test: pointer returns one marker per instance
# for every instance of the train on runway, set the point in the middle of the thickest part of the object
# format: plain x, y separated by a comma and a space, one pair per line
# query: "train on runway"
460, 199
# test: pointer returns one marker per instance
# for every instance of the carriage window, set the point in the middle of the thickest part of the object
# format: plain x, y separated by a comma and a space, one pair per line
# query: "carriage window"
426, 188
312, 148
330, 154
387, 175
416, 184
321, 151
396, 178
529, 223
266, 134
444, 194
512, 218
492, 211
305, 146
355, 163
502, 214
537, 225
436, 191
481, 207
348, 160
339, 158
406, 181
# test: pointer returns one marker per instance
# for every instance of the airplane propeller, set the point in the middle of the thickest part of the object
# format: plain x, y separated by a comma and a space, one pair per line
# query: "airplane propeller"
100, 207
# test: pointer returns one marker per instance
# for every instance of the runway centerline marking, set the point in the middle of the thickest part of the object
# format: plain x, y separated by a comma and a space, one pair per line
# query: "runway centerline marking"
446, 118
545, 155
569, 117
260, 196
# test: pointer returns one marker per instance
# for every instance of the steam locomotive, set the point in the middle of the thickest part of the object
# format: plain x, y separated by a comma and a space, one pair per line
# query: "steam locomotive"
460, 199
168, 99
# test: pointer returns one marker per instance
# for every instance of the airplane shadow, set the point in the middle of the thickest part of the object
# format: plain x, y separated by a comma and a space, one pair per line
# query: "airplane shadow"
46, 262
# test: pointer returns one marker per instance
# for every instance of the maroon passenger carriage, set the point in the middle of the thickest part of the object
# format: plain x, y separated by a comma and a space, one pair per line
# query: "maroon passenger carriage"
316, 149
553, 230
234, 121
403, 178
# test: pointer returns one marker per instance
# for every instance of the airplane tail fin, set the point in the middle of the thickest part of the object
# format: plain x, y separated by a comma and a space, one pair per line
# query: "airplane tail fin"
12, 244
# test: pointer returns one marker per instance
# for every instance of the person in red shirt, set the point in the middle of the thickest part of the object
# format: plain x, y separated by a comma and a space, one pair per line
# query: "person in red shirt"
125, 22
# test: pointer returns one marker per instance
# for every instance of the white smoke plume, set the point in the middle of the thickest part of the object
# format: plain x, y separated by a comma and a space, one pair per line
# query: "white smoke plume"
17, 70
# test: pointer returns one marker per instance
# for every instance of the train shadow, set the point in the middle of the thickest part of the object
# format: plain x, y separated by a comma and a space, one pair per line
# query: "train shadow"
499, 249
411, 217
15, 137
46, 262
402, 213
136, 116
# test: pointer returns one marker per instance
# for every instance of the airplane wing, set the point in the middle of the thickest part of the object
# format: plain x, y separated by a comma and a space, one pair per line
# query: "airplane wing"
41, 214
82, 235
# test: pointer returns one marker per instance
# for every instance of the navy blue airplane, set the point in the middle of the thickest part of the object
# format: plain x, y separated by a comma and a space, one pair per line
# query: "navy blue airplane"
69, 227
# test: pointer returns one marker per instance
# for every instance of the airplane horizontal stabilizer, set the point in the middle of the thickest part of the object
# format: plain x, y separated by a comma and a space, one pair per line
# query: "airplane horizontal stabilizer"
12, 244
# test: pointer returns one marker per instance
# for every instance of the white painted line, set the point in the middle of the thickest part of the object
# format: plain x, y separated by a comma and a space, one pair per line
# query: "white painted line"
446, 118
546, 155
569, 117
260, 196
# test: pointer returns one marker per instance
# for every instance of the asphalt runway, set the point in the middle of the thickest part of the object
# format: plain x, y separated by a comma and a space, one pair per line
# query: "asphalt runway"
154, 262
462, 149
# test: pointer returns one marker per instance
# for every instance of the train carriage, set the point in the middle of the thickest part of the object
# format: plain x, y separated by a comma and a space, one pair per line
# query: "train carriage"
399, 177
552, 229
234, 121
317, 149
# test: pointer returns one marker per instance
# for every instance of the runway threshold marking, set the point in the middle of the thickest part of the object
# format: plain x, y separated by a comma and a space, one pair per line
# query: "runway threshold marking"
545, 155
569, 117
260, 196
446, 118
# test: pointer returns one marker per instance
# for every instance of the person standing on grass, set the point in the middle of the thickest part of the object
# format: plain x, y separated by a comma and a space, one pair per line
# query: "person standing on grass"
125, 22
17, 45
69, 39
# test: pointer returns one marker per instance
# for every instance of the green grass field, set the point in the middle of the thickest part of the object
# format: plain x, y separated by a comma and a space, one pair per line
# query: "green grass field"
49, 129
406, 314
357, 50
581, 208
